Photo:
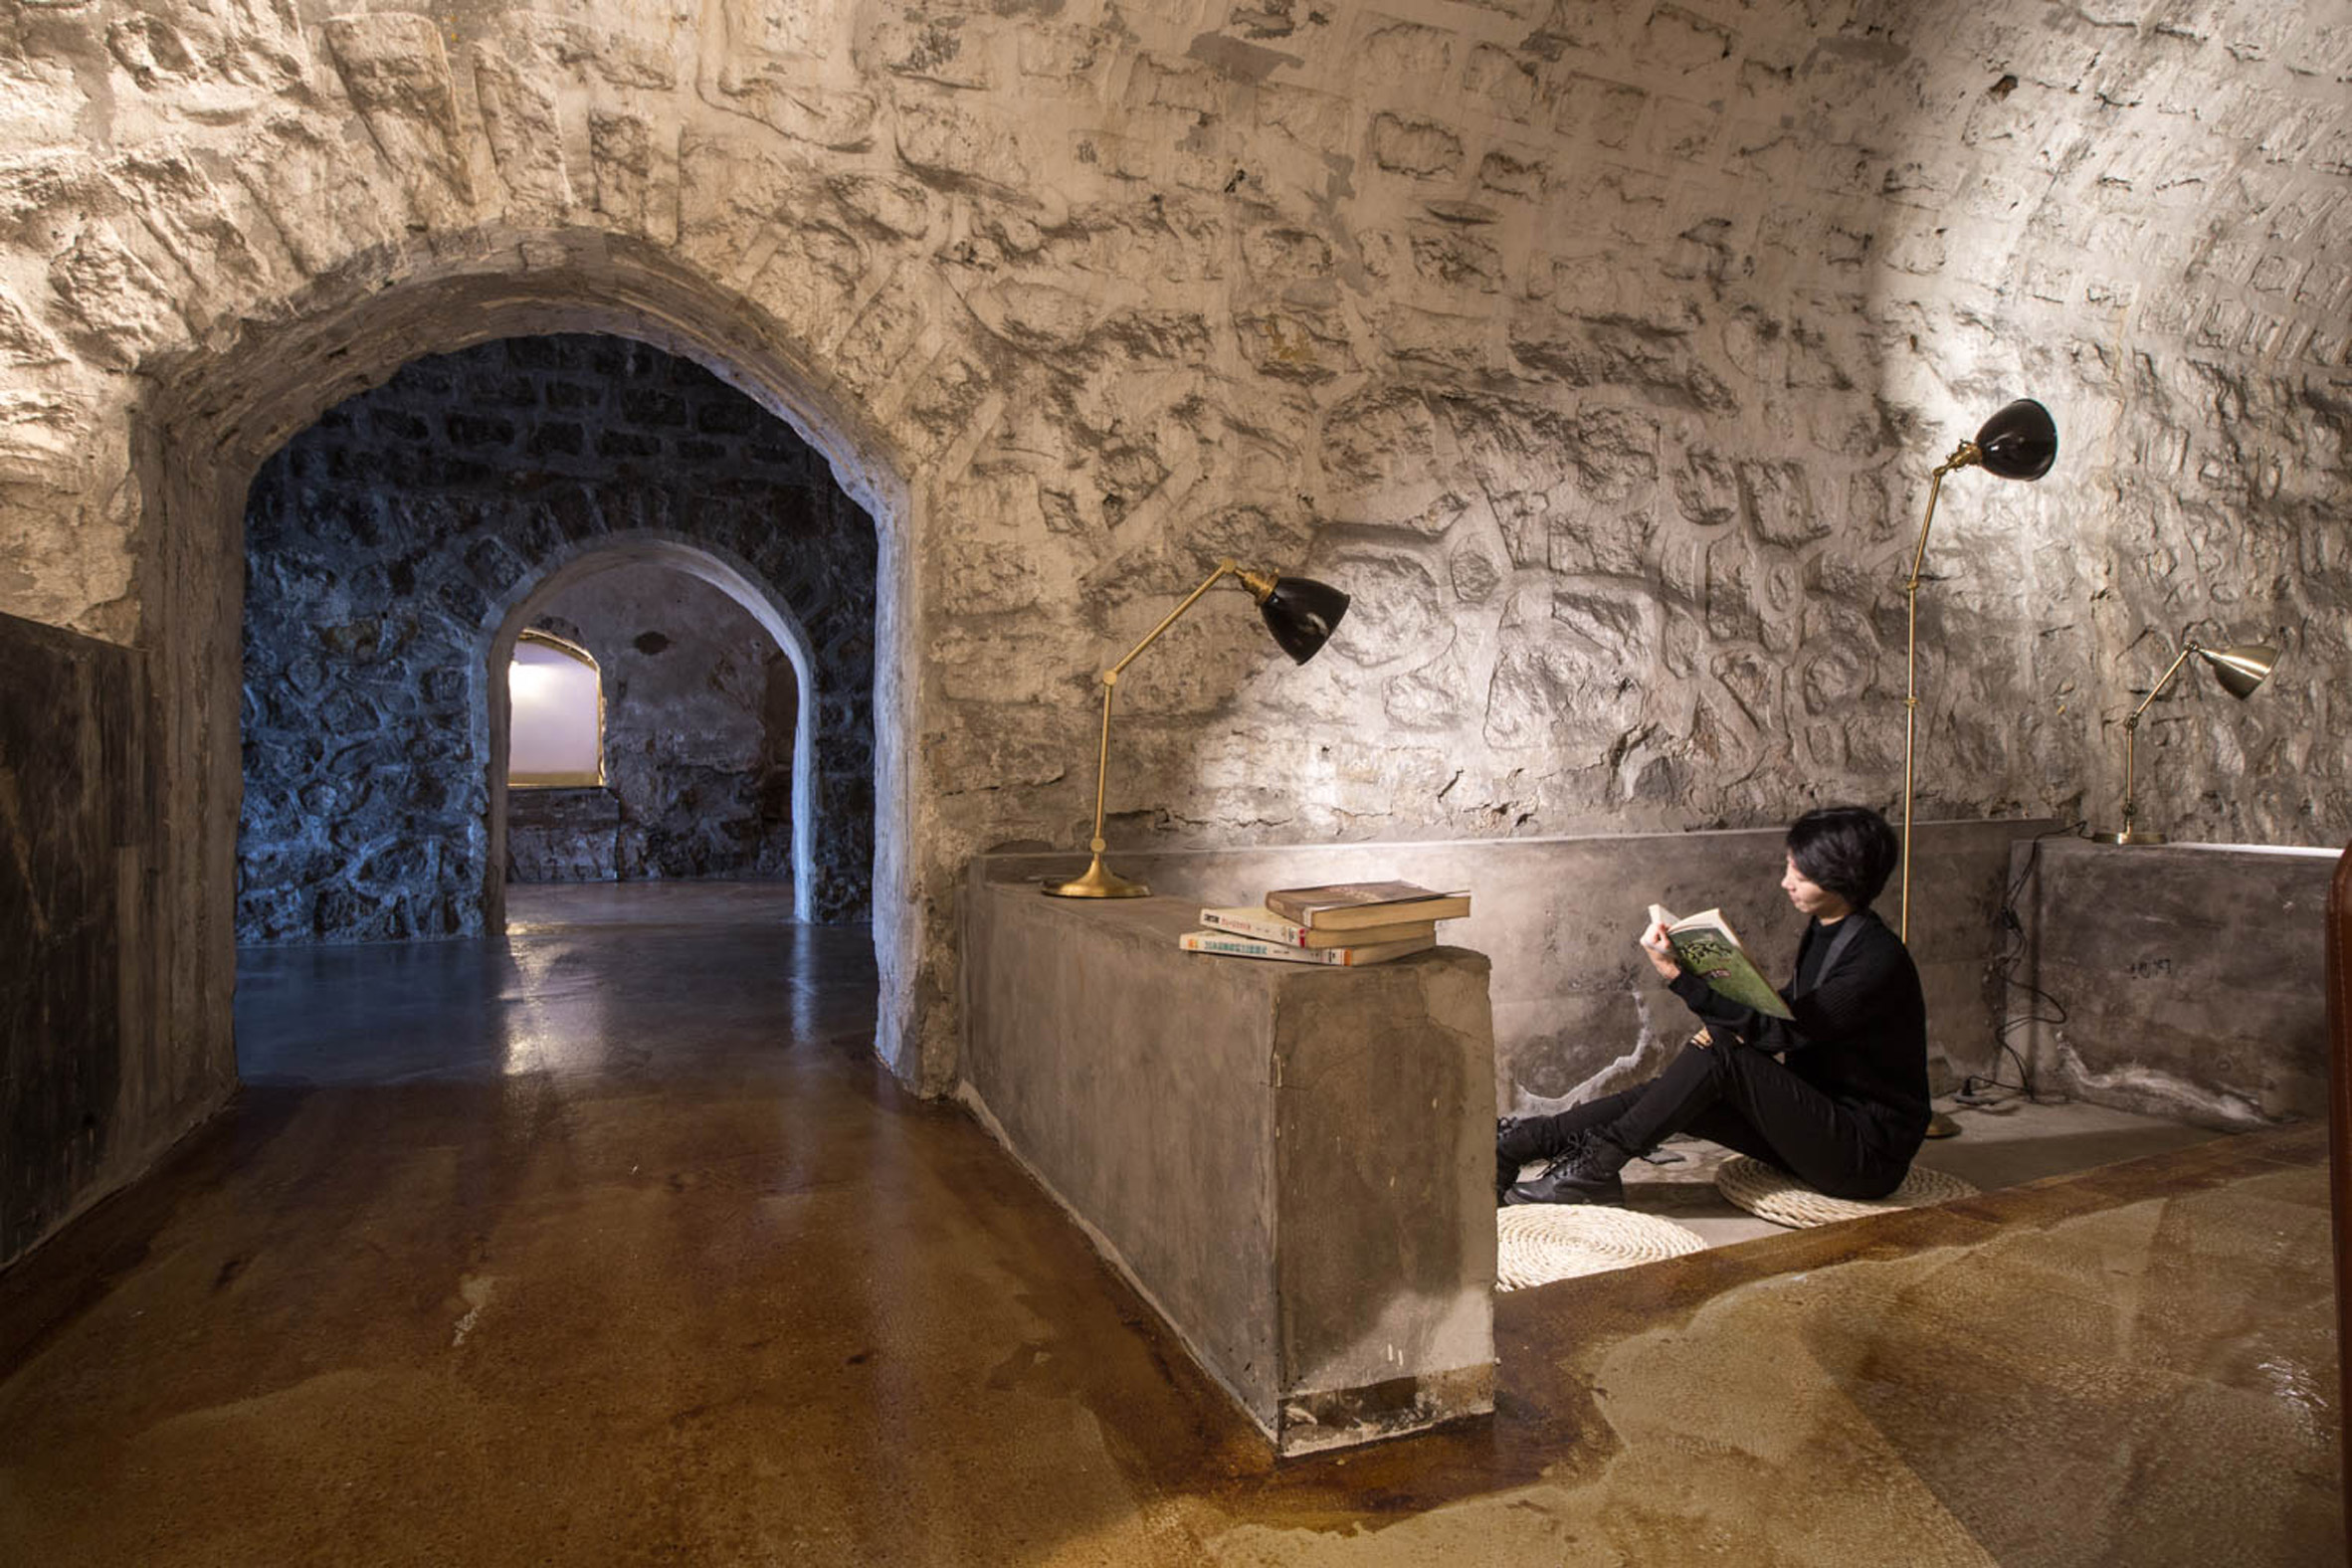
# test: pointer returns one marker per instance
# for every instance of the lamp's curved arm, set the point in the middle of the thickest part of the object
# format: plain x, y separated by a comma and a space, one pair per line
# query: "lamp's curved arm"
2189, 648
1227, 567
2131, 734
1257, 583
1962, 455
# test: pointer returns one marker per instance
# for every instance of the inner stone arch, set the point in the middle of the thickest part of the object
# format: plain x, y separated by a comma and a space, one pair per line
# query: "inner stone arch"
812, 839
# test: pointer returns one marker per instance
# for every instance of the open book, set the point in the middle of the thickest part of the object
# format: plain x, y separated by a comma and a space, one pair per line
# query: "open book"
1707, 947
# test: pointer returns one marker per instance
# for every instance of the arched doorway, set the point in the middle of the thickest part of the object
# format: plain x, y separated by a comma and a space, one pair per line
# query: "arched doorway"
214, 415
396, 549
731, 578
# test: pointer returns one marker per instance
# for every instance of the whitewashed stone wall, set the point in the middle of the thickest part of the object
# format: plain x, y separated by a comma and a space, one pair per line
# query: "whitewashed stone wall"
1600, 349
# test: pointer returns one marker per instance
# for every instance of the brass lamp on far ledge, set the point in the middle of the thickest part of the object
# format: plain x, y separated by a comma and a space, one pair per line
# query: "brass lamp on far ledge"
1301, 613
2240, 669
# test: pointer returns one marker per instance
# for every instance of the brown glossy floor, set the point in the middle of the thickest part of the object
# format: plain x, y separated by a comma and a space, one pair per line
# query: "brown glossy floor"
642, 1260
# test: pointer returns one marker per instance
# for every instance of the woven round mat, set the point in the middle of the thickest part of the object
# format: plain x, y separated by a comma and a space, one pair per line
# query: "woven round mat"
1770, 1193
1538, 1243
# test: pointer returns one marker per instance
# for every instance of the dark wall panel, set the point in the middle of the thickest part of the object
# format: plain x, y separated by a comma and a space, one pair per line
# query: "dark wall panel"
75, 804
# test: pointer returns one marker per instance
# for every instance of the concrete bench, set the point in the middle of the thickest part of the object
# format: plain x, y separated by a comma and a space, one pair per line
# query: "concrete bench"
1290, 1162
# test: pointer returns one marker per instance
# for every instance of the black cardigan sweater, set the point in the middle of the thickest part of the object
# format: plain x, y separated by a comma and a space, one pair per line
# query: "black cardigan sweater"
1859, 1034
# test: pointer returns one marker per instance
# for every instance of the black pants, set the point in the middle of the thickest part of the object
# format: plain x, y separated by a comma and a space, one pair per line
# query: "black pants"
1741, 1098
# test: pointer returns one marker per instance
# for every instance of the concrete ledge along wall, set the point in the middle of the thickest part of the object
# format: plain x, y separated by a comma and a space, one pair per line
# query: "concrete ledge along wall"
2189, 976
1577, 1012
1290, 1162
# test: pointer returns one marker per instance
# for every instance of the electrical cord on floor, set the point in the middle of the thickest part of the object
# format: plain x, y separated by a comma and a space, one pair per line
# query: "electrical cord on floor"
1974, 1089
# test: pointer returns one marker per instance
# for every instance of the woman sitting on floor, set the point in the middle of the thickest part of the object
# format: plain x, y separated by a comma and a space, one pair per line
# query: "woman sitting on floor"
1836, 1095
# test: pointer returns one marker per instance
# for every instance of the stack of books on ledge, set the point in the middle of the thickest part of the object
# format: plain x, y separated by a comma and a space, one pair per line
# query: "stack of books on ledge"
1341, 923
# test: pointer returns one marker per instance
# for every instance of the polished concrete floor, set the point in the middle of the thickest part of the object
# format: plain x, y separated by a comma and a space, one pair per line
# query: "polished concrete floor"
609, 1244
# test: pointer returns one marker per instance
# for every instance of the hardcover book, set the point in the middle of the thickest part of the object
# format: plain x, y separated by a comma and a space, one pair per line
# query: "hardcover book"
1233, 946
1351, 906
1268, 927
1705, 946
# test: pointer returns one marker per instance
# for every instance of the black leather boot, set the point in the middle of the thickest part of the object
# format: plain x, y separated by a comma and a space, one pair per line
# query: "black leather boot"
1517, 1139
1585, 1172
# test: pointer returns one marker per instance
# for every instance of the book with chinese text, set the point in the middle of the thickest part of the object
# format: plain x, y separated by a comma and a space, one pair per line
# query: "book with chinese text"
1233, 946
1268, 927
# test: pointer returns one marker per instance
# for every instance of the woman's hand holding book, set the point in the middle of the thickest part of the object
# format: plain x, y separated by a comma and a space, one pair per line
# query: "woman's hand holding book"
1660, 952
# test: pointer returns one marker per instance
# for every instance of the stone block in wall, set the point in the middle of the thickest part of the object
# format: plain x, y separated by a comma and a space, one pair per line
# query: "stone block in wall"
522, 123
1398, 54
1416, 148
562, 834
398, 77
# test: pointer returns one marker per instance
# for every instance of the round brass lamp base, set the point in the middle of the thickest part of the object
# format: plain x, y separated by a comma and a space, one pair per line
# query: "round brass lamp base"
1099, 882
2129, 836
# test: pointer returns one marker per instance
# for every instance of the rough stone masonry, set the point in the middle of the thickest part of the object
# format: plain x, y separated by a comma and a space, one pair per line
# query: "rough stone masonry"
381, 546
1601, 350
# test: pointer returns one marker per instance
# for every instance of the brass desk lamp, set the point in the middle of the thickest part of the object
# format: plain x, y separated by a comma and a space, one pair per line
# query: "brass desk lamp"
2240, 669
2018, 442
1301, 613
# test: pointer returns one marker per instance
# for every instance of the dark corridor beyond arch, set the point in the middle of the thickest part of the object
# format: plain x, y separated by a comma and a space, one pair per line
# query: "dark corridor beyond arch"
384, 543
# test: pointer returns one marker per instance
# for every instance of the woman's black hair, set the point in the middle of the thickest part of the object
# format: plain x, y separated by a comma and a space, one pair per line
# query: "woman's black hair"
1850, 850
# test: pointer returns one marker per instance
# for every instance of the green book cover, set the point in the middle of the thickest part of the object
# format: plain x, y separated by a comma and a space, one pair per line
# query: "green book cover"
1705, 946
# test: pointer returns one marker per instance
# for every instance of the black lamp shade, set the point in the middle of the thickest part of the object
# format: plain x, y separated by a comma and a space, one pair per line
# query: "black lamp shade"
2020, 442
1302, 614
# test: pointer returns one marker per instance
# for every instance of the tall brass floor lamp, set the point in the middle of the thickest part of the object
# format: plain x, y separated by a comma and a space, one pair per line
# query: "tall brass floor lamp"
2018, 442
